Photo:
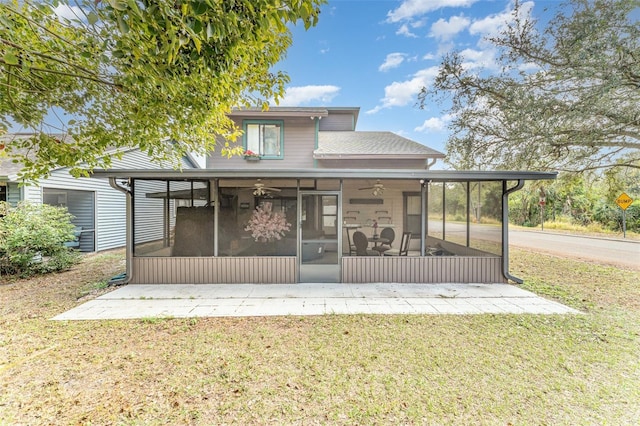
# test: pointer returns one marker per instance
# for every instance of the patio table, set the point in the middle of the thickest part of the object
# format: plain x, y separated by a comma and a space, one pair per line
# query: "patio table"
378, 240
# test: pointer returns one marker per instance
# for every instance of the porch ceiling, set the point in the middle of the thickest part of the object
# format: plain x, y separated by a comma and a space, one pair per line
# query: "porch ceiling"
427, 175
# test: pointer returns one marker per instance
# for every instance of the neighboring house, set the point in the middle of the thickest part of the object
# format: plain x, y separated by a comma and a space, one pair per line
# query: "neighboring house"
98, 209
335, 186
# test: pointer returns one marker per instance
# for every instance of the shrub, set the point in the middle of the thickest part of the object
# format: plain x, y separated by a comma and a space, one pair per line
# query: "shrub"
32, 238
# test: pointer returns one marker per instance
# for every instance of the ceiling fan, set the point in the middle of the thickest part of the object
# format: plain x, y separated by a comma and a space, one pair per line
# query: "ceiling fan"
260, 189
377, 188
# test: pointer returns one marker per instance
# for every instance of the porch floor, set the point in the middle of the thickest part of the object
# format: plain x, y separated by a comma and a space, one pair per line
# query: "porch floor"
237, 300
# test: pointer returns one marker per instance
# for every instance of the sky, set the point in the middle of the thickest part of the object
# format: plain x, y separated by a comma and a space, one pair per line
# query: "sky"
378, 54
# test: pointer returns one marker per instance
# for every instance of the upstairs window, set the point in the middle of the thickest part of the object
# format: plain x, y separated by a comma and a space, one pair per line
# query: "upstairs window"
265, 138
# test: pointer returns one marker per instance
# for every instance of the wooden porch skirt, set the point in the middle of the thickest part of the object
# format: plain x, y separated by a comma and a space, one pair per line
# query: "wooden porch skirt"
214, 270
428, 269
283, 270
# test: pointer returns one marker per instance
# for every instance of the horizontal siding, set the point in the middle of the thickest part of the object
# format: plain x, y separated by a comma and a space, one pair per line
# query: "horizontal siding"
110, 216
150, 212
299, 143
335, 121
214, 270
110, 203
431, 269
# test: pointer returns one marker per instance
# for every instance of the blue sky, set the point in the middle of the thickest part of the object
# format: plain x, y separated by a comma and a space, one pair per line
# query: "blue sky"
378, 54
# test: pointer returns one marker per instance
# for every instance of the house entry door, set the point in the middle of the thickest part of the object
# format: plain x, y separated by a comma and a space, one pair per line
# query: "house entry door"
319, 236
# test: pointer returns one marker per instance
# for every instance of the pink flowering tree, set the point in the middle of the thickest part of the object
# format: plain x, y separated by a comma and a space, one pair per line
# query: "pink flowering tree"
266, 225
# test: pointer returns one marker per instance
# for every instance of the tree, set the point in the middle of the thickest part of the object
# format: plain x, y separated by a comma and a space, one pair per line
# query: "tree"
161, 75
577, 110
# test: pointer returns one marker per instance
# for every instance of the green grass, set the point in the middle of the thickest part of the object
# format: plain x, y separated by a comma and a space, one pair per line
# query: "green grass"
334, 369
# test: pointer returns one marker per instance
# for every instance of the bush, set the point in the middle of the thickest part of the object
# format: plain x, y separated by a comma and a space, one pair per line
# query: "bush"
32, 238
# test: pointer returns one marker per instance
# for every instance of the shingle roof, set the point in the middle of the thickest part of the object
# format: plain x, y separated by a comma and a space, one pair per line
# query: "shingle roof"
367, 144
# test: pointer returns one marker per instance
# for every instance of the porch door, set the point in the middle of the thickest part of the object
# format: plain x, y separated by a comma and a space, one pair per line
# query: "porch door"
319, 236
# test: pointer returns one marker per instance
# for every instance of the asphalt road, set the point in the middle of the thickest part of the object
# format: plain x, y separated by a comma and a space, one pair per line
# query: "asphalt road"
618, 251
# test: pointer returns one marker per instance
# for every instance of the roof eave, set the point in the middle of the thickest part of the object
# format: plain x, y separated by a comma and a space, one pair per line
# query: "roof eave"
279, 113
377, 156
423, 174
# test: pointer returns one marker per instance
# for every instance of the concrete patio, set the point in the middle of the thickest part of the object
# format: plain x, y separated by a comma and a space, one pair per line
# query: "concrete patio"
224, 300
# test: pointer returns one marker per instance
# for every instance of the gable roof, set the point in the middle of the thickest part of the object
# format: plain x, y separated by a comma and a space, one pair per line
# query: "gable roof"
370, 144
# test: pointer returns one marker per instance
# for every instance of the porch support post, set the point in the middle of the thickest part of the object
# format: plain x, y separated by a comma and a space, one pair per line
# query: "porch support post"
505, 229
423, 216
468, 214
444, 210
216, 209
166, 218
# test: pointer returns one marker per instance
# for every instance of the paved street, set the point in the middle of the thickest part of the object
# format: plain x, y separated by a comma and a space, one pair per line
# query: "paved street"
618, 252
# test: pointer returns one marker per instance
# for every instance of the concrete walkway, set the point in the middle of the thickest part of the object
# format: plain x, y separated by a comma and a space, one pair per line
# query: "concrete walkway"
237, 300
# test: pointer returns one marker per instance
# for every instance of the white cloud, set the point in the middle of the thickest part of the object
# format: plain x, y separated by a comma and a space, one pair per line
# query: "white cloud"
296, 96
479, 59
405, 31
409, 9
446, 30
401, 93
493, 24
434, 124
393, 60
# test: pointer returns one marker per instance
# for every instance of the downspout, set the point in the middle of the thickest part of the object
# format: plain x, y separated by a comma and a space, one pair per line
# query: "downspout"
128, 239
505, 229
431, 163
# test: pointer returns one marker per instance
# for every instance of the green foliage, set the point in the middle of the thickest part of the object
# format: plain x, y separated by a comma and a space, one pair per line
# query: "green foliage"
566, 98
585, 199
137, 73
32, 238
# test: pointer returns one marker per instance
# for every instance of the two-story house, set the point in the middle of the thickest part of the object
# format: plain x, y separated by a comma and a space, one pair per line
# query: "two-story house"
315, 200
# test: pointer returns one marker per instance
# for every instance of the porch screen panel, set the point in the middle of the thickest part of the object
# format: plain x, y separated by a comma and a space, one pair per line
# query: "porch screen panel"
486, 211
151, 220
247, 217
436, 211
455, 223
413, 213
191, 223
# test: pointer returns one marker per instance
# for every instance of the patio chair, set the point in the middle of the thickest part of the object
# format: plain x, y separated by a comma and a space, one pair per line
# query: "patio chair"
404, 246
361, 242
387, 234
352, 247
75, 243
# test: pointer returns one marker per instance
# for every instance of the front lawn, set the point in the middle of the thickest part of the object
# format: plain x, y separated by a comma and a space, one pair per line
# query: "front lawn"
337, 369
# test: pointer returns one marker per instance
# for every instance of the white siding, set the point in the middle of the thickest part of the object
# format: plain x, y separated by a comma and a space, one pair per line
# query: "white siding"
110, 203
